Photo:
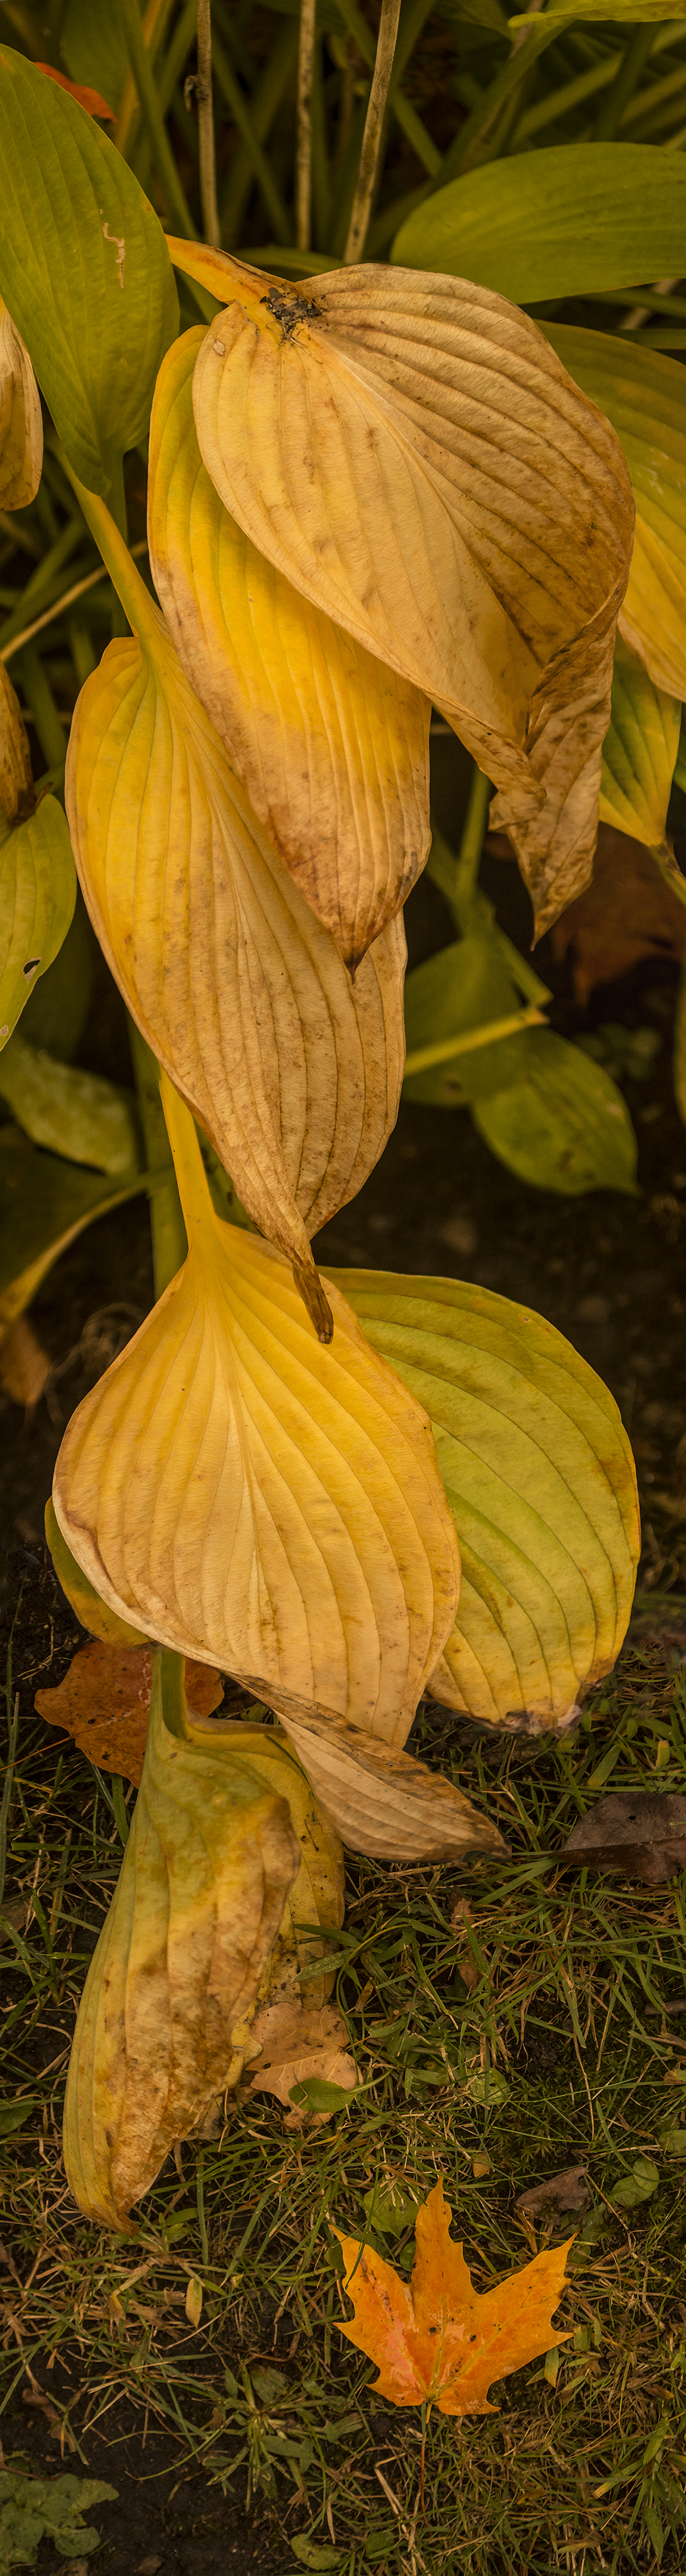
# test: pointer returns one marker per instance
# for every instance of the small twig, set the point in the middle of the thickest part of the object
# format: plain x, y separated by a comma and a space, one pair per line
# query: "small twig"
373, 132
303, 174
203, 92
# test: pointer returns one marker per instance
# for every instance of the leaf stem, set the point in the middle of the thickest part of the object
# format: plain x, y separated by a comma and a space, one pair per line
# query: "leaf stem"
203, 92
472, 839
169, 1244
303, 167
373, 133
421, 1059
635, 54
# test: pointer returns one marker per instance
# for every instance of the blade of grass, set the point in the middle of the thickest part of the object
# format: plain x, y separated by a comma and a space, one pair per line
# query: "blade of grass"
266, 101
242, 118
162, 155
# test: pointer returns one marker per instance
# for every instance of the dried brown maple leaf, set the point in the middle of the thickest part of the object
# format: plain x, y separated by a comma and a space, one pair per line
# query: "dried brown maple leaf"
627, 913
436, 2339
104, 1702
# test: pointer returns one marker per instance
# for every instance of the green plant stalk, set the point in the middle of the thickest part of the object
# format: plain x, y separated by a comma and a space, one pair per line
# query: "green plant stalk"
66, 601
471, 839
260, 168
48, 725
259, 118
625, 83
640, 111
163, 156
154, 26
501, 88
421, 1059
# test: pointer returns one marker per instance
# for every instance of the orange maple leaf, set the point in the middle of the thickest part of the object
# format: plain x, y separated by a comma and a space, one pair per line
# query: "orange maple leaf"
104, 1702
436, 2339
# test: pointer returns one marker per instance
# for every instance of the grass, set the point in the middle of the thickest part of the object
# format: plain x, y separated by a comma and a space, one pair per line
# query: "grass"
520, 2017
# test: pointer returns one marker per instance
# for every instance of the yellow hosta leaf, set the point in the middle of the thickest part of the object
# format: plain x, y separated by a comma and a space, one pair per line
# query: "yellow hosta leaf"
639, 752
408, 452
653, 616
643, 394
37, 898
209, 1862
294, 1073
21, 420
94, 1614
382, 1800
332, 746
254, 1499
16, 784
540, 1479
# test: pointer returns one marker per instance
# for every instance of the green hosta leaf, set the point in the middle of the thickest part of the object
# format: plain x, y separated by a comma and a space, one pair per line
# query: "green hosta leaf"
79, 1114
643, 394
639, 752
540, 1480
554, 223
37, 897
563, 1125
35, 2509
45, 1203
460, 989
84, 268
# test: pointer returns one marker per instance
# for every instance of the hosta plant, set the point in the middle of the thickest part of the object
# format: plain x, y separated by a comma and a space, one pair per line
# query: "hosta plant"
373, 489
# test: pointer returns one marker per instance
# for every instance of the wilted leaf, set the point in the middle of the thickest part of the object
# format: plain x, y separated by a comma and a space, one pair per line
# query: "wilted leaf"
643, 394
628, 912
37, 897
562, 1124
643, 1834
241, 994
96, 322
104, 1703
331, 745
24, 1365
566, 2190
36, 2509
80, 1115
540, 1479
639, 752
382, 1800
45, 1204
21, 420
545, 225
436, 2338
209, 1861
460, 988
251, 1497
401, 449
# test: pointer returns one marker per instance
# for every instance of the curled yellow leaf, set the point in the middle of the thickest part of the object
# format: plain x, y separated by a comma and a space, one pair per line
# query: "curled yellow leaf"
209, 1862
382, 1800
332, 745
249, 1497
294, 1073
21, 420
410, 453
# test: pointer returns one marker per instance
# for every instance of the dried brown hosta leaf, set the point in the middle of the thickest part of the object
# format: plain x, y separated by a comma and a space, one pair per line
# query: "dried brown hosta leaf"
566, 2190
294, 1073
628, 912
104, 1703
254, 1499
437, 2339
332, 745
21, 420
642, 1834
16, 786
382, 1800
408, 451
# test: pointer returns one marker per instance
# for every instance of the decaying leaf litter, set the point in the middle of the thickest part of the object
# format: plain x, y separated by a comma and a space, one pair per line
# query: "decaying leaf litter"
527, 670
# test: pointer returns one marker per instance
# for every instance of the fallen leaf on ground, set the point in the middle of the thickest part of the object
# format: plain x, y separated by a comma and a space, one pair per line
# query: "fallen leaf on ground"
627, 913
104, 1703
438, 2338
566, 2190
643, 1835
300, 2047
24, 1365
